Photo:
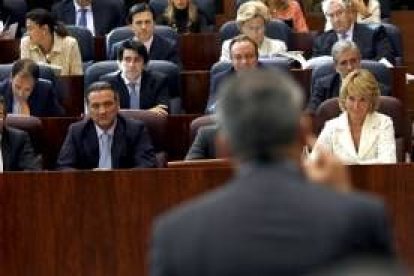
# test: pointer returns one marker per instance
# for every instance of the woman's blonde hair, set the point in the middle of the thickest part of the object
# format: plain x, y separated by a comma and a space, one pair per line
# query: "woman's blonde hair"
192, 12
362, 83
250, 10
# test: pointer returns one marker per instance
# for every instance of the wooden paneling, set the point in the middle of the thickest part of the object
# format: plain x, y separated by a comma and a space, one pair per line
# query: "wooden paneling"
98, 223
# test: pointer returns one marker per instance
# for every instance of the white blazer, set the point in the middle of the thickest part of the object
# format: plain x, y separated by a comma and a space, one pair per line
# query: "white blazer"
377, 141
268, 48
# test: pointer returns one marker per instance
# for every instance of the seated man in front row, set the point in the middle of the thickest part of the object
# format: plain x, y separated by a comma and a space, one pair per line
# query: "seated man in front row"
138, 87
106, 140
16, 151
26, 94
347, 58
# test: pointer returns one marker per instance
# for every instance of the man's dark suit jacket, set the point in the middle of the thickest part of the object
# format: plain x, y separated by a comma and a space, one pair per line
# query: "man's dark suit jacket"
17, 151
131, 146
161, 49
204, 146
107, 14
42, 101
216, 80
153, 92
373, 42
268, 220
328, 87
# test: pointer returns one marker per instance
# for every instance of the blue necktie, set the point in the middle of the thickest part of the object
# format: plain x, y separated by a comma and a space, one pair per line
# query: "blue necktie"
82, 18
133, 97
105, 160
344, 36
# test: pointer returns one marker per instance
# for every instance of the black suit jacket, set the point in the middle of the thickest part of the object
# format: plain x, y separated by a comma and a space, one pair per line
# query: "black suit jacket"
42, 101
17, 151
204, 146
107, 14
328, 86
161, 49
373, 42
131, 146
268, 220
153, 92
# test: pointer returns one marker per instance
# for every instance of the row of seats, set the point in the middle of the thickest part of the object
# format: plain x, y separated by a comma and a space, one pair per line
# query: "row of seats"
274, 29
330, 109
189, 90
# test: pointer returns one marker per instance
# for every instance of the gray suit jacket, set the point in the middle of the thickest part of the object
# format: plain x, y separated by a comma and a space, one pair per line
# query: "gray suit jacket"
268, 220
17, 151
204, 146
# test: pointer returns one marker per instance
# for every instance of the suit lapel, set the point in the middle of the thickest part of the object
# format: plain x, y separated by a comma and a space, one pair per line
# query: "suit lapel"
5, 150
91, 143
369, 134
118, 143
123, 93
9, 97
144, 90
69, 13
346, 141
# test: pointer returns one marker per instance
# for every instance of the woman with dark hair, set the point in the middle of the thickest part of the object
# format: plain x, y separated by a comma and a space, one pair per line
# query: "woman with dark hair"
183, 16
48, 42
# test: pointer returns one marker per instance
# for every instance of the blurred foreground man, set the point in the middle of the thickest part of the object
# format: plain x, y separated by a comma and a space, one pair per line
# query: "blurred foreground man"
269, 219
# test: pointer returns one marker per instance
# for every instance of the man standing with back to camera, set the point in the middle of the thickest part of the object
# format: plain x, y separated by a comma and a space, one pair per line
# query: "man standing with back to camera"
269, 219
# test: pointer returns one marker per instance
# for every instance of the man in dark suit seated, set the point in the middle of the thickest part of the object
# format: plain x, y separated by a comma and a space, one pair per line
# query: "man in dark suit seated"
27, 94
204, 146
346, 57
244, 55
373, 42
99, 16
106, 139
141, 20
16, 151
269, 219
138, 88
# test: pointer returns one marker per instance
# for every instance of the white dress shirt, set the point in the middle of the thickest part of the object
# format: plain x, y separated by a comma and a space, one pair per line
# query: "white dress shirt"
89, 16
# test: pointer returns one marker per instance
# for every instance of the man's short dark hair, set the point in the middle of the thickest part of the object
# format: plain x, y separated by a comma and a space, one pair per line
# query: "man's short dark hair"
25, 67
241, 38
101, 85
134, 45
138, 8
258, 111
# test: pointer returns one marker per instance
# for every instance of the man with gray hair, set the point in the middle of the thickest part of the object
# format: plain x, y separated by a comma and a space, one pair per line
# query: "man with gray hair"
269, 219
372, 41
346, 57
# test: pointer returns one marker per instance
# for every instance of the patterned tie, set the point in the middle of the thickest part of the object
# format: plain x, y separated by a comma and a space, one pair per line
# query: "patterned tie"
105, 160
133, 97
82, 18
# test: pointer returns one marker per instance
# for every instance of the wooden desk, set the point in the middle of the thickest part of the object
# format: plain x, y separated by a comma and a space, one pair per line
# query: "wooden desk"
98, 223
